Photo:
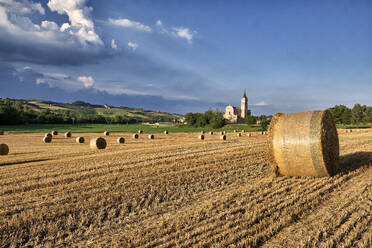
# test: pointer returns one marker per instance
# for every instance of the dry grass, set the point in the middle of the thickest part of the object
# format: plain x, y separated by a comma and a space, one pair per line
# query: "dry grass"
177, 191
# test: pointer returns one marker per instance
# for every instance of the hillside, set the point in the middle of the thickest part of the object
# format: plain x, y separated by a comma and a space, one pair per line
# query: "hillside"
85, 112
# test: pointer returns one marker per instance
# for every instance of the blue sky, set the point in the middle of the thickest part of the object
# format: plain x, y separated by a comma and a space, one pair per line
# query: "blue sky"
182, 56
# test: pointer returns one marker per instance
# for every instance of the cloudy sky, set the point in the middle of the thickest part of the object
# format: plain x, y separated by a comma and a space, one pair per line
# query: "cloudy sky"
181, 56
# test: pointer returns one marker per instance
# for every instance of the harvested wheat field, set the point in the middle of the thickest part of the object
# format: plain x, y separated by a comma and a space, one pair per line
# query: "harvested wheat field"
178, 191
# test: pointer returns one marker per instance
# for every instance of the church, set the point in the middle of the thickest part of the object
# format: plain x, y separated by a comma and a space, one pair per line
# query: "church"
236, 114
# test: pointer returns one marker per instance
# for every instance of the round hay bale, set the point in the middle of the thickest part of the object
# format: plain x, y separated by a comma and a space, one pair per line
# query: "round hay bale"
235, 131
350, 130
135, 136
304, 144
4, 149
262, 133
47, 139
54, 133
223, 137
202, 132
201, 137
151, 136
121, 140
80, 140
98, 143
68, 135
243, 131
1, 132
106, 133
249, 134
48, 135
211, 133
239, 134
165, 132
221, 133
140, 131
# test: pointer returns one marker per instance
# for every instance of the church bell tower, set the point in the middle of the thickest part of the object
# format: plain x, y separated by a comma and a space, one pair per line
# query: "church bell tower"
244, 106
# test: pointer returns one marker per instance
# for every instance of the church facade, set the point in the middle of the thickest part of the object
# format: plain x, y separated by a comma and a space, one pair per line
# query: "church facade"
238, 114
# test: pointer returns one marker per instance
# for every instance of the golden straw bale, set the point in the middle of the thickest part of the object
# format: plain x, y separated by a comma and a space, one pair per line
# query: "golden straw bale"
68, 135
4, 149
211, 133
243, 131
98, 143
151, 136
121, 140
202, 132
201, 137
235, 131
1, 132
249, 134
48, 135
106, 133
80, 140
54, 133
135, 136
223, 137
47, 139
165, 132
239, 134
221, 133
140, 131
304, 144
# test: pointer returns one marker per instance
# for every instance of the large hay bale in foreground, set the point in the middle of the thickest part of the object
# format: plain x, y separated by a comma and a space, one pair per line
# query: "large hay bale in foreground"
201, 137
4, 149
121, 140
98, 143
135, 136
304, 144
68, 135
223, 137
106, 133
47, 139
151, 136
54, 133
80, 140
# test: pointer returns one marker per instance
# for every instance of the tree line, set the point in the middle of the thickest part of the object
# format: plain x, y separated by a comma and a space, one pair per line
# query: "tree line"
13, 112
358, 114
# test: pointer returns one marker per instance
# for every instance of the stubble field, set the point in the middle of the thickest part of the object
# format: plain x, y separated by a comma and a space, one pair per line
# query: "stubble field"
178, 191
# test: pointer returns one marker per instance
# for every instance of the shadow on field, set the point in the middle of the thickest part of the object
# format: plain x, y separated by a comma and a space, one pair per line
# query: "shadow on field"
24, 162
351, 162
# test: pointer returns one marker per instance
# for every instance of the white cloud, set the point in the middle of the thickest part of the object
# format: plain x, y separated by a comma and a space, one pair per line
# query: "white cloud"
132, 45
179, 32
22, 7
49, 25
262, 103
113, 45
81, 23
184, 33
87, 81
129, 24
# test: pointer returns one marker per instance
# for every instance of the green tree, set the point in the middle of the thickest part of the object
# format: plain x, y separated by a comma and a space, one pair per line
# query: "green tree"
251, 120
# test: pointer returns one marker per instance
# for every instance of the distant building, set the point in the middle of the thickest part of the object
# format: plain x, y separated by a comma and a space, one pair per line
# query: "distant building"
236, 114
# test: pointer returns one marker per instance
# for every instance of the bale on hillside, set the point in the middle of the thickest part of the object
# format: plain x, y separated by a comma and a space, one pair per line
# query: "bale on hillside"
202, 132
47, 139
211, 133
239, 134
304, 144
1, 132
221, 133
135, 136
151, 136
249, 134
201, 137
54, 133
165, 132
98, 143
243, 131
223, 137
48, 135
68, 135
262, 133
235, 131
80, 140
4, 149
140, 131
106, 133
121, 140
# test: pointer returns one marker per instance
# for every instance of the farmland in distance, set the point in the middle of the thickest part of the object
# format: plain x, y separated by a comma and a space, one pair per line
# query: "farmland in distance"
178, 191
